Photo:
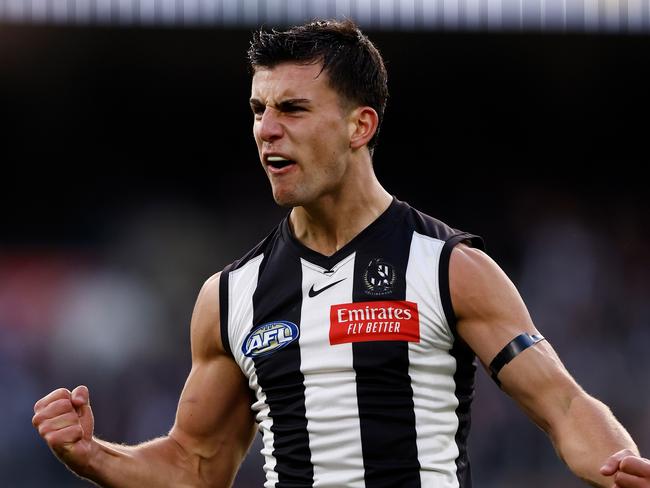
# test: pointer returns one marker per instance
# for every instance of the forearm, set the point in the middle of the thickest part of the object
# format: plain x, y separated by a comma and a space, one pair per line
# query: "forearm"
161, 462
586, 435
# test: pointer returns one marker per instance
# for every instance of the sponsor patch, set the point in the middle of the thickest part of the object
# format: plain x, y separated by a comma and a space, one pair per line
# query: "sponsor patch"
269, 338
374, 321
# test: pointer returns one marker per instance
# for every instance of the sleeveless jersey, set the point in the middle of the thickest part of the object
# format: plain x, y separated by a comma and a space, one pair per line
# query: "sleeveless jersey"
358, 375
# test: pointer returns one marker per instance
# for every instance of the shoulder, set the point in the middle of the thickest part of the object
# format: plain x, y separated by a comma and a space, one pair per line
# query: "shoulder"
423, 223
488, 308
208, 290
262, 247
467, 261
477, 284
205, 325
432, 227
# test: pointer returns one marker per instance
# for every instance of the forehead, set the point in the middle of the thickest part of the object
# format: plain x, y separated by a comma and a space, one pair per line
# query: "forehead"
291, 80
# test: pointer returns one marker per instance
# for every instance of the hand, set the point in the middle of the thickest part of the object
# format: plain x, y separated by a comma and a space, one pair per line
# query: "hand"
65, 420
628, 469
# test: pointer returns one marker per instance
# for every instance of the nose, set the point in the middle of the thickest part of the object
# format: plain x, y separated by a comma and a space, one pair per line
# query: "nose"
269, 127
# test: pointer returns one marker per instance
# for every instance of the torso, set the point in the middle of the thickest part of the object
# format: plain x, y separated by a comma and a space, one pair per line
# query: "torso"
359, 377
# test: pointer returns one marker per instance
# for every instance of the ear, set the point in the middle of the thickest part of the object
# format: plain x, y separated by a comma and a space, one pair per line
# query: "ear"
363, 125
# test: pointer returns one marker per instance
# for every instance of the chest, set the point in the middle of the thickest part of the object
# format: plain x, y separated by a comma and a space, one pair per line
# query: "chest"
379, 311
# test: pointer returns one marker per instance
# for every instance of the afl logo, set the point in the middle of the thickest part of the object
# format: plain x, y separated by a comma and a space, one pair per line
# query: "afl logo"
270, 337
379, 277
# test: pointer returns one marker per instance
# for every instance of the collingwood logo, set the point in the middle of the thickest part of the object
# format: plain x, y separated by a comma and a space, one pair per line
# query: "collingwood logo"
270, 337
379, 277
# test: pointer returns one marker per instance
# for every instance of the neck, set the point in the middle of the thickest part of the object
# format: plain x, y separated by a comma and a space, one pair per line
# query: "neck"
334, 219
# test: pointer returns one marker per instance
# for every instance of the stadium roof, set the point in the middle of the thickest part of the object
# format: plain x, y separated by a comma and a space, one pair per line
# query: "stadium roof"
518, 15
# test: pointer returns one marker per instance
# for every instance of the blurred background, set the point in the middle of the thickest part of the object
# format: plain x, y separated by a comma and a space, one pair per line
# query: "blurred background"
129, 176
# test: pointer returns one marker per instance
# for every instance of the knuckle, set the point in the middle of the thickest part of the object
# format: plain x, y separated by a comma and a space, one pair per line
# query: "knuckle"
58, 393
54, 440
51, 397
44, 429
62, 405
627, 461
50, 439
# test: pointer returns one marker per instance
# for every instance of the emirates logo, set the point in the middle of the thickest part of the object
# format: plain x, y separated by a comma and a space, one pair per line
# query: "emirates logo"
379, 277
374, 321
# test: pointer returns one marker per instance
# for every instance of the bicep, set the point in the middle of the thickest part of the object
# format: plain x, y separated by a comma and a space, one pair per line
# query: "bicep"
214, 422
491, 313
488, 307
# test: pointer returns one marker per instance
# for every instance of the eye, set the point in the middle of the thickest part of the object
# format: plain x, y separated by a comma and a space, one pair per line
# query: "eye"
290, 107
258, 111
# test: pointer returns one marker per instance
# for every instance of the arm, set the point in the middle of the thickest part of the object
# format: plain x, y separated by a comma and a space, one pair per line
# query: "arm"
213, 429
490, 314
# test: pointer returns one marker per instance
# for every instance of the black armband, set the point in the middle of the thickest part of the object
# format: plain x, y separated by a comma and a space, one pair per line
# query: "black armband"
511, 351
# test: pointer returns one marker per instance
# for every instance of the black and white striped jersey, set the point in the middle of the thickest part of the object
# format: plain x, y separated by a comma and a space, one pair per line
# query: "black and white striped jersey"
359, 378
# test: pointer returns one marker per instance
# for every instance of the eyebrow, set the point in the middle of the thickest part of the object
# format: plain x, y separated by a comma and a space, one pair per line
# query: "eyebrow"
284, 104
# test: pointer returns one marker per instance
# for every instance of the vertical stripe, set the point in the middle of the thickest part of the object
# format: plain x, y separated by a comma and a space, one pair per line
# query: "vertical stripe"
223, 308
242, 283
432, 368
465, 360
330, 388
384, 393
278, 297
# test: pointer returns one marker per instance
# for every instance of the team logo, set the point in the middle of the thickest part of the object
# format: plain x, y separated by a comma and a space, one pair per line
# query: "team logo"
270, 337
379, 277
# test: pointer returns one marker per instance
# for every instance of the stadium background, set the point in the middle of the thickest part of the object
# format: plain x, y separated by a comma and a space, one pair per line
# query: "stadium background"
130, 176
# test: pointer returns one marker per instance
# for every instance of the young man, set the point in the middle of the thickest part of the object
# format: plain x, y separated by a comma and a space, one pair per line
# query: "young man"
354, 324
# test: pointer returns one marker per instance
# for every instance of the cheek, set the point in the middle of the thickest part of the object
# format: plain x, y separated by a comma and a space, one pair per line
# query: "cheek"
331, 138
256, 135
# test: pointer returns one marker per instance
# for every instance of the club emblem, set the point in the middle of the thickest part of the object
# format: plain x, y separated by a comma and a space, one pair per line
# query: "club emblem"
379, 277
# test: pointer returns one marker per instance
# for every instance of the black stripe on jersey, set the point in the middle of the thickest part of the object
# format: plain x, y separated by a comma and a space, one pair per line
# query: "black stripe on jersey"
223, 307
278, 296
443, 275
465, 361
384, 392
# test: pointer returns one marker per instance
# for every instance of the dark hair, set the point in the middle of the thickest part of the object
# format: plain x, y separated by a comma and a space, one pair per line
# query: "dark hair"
354, 66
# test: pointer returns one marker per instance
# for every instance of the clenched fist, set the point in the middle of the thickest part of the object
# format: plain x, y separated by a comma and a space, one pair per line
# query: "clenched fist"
65, 420
628, 470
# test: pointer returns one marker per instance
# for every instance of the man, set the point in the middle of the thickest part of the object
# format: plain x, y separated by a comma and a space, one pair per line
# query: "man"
354, 324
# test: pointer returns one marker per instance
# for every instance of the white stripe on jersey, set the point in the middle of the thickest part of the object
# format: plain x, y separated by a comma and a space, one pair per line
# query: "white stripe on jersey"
330, 381
241, 287
432, 368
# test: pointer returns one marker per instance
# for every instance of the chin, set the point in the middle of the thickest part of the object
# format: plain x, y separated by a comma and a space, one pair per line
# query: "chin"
285, 200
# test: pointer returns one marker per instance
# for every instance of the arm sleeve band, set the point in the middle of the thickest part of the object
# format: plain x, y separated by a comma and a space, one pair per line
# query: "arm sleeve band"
512, 350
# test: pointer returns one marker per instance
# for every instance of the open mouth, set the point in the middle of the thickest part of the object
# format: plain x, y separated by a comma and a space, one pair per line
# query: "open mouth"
278, 162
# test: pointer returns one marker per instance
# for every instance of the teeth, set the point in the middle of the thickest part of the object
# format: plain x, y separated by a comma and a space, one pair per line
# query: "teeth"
276, 158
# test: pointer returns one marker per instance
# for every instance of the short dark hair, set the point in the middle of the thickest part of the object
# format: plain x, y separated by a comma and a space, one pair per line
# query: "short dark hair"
355, 68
